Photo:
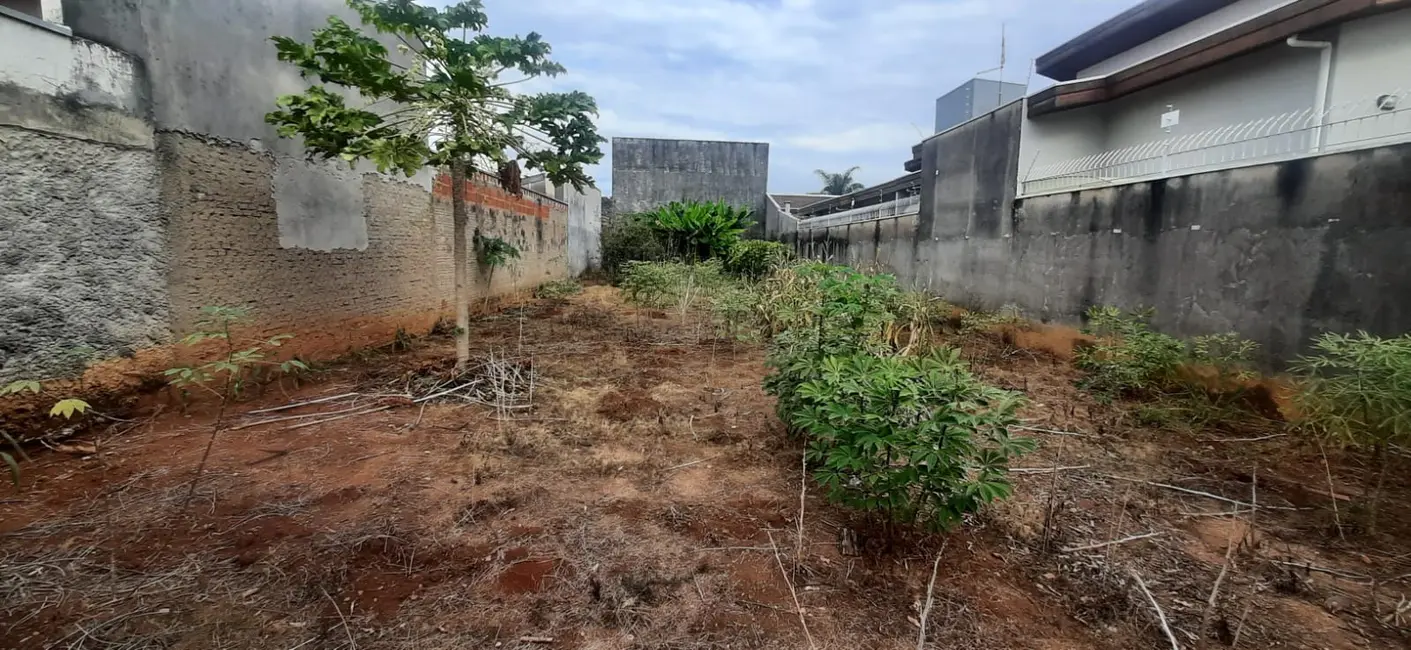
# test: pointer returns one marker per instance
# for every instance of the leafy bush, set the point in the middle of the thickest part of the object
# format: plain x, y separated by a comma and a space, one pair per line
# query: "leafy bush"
494, 252
1127, 357
1230, 355
700, 231
917, 438
630, 238
1357, 389
828, 311
672, 284
755, 259
558, 289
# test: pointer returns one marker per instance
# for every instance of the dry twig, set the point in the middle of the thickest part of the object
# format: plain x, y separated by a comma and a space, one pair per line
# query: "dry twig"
930, 597
1160, 615
295, 405
798, 608
1124, 540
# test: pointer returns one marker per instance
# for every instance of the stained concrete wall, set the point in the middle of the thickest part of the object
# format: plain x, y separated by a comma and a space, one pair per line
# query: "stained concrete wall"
585, 222
647, 173
1278, 253
83, 258
148, 186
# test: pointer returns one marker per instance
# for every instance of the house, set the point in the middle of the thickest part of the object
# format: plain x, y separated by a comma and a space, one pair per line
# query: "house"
1171, 87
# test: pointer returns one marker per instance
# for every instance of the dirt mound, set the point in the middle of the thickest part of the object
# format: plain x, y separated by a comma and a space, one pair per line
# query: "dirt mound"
627, 405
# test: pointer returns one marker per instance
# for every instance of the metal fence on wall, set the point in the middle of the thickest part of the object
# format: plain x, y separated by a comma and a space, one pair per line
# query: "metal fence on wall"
1385, 119
901, 207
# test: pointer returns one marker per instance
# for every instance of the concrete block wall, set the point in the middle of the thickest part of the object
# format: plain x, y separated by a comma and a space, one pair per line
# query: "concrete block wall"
1278, 253
647, 173
226, 249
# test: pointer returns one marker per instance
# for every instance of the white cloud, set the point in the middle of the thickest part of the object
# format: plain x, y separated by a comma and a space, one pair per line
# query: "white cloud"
829, 83
866, 138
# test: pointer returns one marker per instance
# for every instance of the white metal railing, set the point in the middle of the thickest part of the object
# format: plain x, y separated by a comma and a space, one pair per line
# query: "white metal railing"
901, 207
1385, 119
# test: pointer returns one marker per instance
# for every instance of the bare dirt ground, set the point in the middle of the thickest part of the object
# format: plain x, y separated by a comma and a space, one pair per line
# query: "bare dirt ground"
646, 496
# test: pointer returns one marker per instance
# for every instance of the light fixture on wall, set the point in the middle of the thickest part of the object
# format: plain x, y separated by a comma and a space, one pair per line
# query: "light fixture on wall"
1387, 102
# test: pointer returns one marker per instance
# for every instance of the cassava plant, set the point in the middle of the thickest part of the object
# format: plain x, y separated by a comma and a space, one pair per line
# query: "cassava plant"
916, 438
442, 99
65, 408
238, 360
1127, 357
1356, 389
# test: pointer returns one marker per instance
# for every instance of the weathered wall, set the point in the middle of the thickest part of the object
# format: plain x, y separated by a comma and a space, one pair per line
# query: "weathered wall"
647, 173
1278, 253
585, 222
226, 249
82, 242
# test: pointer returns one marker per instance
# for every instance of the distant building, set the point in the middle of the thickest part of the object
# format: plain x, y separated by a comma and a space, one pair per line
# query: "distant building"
1170, 87
973, 99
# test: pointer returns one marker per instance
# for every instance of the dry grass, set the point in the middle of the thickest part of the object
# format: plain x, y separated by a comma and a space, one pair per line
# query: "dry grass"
637, 499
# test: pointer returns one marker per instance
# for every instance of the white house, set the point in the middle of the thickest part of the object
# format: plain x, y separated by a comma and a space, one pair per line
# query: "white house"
1171, 87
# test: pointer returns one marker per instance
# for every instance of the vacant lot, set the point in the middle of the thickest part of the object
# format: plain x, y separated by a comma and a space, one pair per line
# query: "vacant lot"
614, 478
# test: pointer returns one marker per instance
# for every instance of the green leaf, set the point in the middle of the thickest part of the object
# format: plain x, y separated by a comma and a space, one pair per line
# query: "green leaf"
68, 407
14, 468
20, 386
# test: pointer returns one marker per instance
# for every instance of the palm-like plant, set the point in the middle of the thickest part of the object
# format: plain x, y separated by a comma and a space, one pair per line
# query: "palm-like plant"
840, 183
700, 231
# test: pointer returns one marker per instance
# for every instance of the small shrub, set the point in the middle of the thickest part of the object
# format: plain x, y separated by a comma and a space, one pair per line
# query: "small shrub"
699, 231
558, 289
1228, 354
630, 238
672, 284
919, 317
827, 311
1127, 357
916, 438
755, 260
1357, 389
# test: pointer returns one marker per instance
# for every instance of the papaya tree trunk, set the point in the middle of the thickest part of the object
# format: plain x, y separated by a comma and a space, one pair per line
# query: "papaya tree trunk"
461, 255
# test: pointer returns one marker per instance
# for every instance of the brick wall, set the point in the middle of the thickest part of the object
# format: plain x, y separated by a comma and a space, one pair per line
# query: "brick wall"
225, 249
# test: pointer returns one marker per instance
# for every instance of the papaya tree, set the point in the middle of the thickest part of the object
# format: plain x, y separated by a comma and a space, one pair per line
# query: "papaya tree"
439, 97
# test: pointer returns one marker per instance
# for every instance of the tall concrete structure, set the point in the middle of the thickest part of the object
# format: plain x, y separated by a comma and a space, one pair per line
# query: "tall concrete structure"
647, 173
973, 99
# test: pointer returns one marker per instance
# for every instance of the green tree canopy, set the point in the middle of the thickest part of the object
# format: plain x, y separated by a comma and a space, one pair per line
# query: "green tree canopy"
840, 183
441, 98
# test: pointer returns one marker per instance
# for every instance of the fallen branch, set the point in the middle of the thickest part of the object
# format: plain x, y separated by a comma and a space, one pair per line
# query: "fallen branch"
340, 417
1050, 431
930, 598
1199, 493
1165, 627
346, 628
1332, 572
287, 418
1270, 437
790, 583
1124, 540
1045, 470
684, 465
295, 405
446, 392
536, 639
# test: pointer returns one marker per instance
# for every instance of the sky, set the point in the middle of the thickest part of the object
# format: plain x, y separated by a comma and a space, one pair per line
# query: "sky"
829, 84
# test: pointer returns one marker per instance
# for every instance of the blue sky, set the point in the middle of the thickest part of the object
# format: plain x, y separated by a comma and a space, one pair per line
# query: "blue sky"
827, 83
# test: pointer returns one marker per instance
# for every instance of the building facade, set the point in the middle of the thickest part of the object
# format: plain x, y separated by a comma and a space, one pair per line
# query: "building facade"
1178, 86
973, 99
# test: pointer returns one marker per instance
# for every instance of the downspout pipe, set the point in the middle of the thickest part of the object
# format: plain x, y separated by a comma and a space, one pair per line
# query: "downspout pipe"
1325, 68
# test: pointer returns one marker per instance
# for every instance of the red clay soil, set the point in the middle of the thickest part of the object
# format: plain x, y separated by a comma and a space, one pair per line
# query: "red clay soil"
649, 498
